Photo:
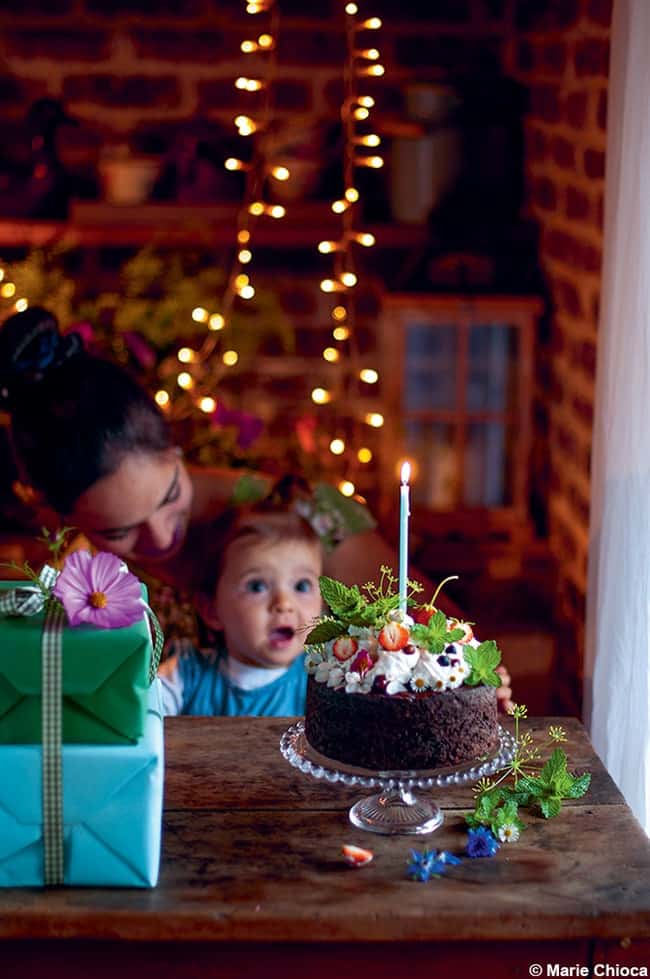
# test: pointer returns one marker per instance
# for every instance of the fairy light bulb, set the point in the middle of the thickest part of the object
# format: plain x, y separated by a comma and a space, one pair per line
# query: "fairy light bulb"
371, 54
216, 322
321, 396
230, 357
351, 9
364, 455
265, 41
161, 398
368, 375
245, 256
340, 333
186, 355
349, 279
243, 236
340, 206
232, 163
248, 47
247, 292
329, 285
241, 280
361, 113
374, 162
277, 211
346, 487
245, 125
366, 101
339, 313
2, 274
371, 24
280, 173
371, 139
8, 290
21, 305
351, 195
331, 355
256, 208
337, 447
248, 84
326, 247
185, 381
374, 419
365, 238
199, 314
208, 405
375, 71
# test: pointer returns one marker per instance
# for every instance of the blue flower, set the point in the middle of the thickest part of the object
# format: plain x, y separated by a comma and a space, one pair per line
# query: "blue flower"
429, 863
481, 842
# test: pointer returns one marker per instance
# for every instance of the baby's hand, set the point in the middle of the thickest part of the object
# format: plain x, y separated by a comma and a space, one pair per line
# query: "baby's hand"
504, 692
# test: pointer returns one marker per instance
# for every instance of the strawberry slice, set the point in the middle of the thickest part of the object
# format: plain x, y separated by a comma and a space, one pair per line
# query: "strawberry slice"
356, 856
465, 626
394, 636
344, 647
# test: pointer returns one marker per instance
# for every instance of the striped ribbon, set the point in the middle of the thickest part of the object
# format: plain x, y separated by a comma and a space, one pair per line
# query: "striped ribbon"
30, 599
52, 773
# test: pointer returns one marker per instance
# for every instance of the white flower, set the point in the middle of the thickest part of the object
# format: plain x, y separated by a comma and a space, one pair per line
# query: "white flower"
421, 678
313, 660
355, 683
336, 677
508, 833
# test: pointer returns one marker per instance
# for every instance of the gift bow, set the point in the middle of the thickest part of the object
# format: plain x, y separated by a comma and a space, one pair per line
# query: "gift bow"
27, 600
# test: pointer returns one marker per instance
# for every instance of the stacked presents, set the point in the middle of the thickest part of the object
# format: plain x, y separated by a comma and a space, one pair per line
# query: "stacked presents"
81, 742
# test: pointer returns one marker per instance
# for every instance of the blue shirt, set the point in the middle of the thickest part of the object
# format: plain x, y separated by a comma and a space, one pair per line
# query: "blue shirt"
201, 689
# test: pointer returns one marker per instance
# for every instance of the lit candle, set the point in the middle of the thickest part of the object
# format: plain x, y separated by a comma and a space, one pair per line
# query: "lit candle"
404, 512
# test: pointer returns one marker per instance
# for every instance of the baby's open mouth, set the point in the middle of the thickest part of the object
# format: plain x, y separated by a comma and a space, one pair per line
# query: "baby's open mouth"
283, 634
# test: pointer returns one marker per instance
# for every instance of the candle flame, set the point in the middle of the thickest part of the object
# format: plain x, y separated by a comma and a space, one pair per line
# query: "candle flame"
406, 472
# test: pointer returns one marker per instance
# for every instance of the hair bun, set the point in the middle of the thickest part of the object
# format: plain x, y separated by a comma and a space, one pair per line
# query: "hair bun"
30, 347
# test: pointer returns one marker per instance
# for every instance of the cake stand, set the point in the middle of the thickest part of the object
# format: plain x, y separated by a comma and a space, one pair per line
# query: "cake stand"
397, 808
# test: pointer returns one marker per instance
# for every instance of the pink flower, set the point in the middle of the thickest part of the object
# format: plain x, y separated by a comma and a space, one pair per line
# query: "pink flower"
98, 590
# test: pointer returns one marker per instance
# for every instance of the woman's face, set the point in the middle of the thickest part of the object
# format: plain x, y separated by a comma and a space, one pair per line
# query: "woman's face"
141, 511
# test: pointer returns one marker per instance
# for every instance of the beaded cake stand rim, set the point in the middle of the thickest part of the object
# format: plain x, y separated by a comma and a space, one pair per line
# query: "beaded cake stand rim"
296, 749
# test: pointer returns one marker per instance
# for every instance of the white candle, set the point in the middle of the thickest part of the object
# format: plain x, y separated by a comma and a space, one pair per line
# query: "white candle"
404, 512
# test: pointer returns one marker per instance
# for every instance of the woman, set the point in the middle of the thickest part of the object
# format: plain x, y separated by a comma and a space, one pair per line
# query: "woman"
97, 451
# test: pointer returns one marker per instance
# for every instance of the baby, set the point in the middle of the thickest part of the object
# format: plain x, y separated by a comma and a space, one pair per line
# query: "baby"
260, 594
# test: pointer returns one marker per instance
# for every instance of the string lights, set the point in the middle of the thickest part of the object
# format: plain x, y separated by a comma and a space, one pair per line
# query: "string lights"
359, 151
206, 365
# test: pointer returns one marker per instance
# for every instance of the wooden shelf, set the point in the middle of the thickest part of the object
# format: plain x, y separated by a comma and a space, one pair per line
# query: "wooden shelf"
97, 224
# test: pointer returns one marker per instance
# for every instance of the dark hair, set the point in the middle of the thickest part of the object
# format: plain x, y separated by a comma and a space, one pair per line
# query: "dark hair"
74, 416
272, 519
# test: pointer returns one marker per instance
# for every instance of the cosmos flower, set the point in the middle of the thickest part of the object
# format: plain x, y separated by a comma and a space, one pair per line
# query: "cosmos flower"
98, 590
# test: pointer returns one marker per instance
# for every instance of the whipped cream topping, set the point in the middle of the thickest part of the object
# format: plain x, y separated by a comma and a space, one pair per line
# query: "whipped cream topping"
359, 662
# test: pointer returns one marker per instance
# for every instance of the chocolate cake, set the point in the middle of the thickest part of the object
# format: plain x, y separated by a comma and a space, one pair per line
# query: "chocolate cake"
394, 690
403, 731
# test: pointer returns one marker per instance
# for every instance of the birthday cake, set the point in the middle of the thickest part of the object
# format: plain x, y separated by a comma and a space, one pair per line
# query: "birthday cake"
390, 690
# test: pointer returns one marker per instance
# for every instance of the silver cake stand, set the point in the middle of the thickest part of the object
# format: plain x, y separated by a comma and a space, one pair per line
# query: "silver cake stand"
396, 808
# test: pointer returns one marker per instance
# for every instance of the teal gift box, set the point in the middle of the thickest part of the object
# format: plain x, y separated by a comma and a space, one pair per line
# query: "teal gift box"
105, 680
112, 810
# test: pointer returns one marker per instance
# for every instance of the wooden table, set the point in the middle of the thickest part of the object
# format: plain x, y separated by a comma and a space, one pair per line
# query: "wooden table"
253, 884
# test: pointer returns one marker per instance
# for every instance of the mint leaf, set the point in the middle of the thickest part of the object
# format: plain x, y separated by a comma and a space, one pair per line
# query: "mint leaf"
482, 662
579, 787
324, 631
550, 807
343, 601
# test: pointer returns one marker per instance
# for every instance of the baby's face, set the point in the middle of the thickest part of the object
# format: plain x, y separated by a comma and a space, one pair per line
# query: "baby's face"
267, 598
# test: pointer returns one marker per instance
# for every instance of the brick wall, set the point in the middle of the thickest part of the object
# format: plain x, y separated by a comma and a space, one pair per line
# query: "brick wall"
561, 52
133, 68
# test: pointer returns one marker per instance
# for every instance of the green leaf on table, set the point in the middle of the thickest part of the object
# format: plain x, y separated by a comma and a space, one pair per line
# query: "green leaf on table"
553, 784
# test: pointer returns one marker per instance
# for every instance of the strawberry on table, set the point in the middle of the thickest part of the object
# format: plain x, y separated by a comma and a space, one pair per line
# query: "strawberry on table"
356, 856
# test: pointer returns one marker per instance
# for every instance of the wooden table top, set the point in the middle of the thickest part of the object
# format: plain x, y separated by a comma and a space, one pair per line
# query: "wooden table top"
251, 852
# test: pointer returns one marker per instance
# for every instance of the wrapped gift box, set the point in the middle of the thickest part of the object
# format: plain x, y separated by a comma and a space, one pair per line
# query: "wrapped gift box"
112, 808
105, 680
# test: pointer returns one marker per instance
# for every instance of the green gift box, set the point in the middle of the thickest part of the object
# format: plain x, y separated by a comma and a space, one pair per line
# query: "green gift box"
105, 680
